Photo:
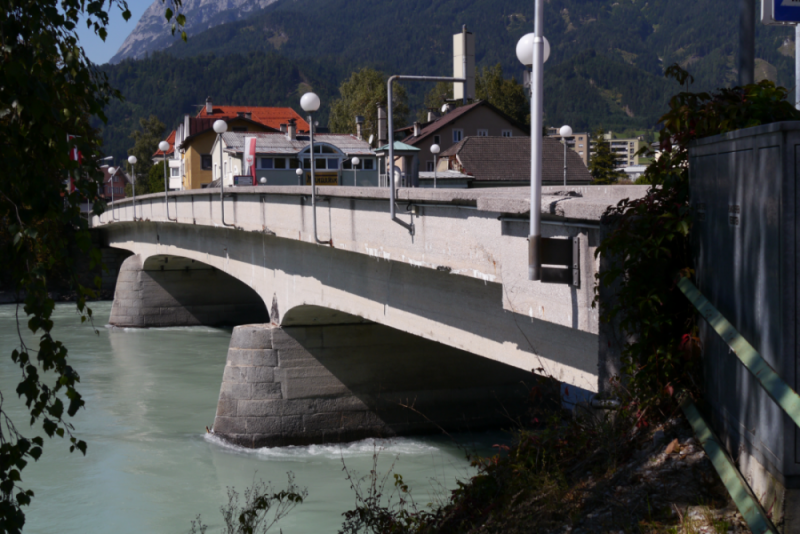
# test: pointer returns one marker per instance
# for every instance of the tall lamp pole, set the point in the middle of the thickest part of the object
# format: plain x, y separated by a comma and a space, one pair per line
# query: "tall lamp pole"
355, 161
435, 149
132, 160
565, 132
533, 50
220, 127
163, 146
112, 171
310, 103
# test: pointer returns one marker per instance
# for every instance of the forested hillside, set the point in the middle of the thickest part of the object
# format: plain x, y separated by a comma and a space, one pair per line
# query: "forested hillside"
605, 69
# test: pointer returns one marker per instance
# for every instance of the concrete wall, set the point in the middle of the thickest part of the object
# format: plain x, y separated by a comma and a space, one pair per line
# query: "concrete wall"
159, 293
301, 385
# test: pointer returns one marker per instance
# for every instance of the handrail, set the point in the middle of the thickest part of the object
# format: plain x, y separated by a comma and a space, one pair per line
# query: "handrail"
778, 390
166, 191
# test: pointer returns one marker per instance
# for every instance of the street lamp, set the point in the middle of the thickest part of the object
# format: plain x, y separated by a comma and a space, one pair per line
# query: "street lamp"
565, 132
163, 146
299, 173
355, 161
310, 103
132, 161
111, 172
435, 149
220, 127
533, 50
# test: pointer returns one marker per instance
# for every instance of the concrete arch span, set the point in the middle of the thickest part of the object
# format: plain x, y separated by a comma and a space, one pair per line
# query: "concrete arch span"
166, 290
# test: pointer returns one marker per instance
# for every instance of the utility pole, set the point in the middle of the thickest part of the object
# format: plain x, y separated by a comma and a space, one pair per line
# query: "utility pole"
747, 41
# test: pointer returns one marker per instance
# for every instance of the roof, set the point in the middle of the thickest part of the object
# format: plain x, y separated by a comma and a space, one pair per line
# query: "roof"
399, 146
198, 126
445, 175
119, 172
278, 143
171, 141
434, 126
509, 159
268, 116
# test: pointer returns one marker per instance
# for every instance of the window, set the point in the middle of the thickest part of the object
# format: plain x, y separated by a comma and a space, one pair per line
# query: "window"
280, 163
580, 146
306, 163
333, 163
368, 164
205, 162
581, 152
175, 171
347, 164
430, 166
319, 163
437, 140
458, 135
506, 133
294, 163
483, 132
266, 163
239, 129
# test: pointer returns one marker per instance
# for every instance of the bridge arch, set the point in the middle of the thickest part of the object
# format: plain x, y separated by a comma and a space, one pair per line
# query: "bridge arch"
168, 290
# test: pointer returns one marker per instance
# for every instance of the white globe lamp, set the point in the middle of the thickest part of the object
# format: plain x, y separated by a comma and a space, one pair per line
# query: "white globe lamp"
525, 49
163, 146
132, 160
220, 126
435, 149
565, 131
263, 180
309, 102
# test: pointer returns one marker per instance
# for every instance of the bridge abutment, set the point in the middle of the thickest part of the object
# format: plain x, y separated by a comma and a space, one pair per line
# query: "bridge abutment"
172, 291
319, 384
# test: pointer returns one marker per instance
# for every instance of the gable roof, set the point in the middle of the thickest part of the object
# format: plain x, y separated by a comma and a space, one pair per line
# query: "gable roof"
201, 125
434, 126
509, 159
268, 116
171, 141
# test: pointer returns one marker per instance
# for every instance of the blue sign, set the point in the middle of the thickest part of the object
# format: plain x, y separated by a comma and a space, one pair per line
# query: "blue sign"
783, 11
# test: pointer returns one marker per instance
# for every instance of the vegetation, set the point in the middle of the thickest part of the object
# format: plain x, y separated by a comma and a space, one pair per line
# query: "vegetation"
507, 95
263, 507
155, 178
145, 144
359, 96
48, 94
603, 163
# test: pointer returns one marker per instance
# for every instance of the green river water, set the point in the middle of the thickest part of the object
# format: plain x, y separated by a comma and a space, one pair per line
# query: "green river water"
150, 466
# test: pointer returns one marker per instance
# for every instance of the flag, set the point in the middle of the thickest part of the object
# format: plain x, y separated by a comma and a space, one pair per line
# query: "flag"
74, 155
250, 157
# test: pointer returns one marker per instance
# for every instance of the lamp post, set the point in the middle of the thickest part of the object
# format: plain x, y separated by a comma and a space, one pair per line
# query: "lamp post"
533, 50
299, 173
163, 146
112, 171
220, 127
565, 132
132, 160
310, 103
355, 161
435, 149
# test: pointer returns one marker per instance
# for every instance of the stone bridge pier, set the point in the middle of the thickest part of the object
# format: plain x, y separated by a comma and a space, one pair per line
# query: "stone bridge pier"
343, 382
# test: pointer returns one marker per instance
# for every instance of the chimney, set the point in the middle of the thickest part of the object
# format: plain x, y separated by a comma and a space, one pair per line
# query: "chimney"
416, 128
240, 114
464, 65
209, 107
291, 133
432, 114
359, 126
383, 136
248, 115
283, 128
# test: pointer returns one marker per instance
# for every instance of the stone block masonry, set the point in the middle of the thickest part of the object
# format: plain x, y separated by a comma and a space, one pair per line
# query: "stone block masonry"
321, 384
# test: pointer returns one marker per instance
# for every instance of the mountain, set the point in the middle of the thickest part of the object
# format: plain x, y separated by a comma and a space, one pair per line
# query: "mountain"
605, 69
152, 32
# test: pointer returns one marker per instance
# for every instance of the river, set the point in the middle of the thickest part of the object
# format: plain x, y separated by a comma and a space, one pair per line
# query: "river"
151, 467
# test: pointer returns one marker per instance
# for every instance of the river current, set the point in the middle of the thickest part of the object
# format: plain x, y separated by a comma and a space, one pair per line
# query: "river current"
150, 465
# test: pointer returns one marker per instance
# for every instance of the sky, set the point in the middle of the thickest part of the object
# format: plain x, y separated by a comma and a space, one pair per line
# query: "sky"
100, 52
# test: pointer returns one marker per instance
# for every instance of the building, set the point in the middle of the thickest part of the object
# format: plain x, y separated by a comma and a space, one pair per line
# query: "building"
278, 155
479, 119
113, 186
173, 162
504, 162
579, 142
624, 149
195, 136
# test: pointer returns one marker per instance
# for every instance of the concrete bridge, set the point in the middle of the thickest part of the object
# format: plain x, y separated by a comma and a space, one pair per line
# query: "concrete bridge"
376, 332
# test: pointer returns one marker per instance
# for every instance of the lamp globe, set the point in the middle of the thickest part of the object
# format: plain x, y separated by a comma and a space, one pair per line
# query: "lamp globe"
299, 172
309, 102
355, 161
525, 49
435, 149
132, 160
220, 126
163, 146
565, 131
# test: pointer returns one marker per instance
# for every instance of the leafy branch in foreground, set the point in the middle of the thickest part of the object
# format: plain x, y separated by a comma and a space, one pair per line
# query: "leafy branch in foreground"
50, 153
263, 507
649, 246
